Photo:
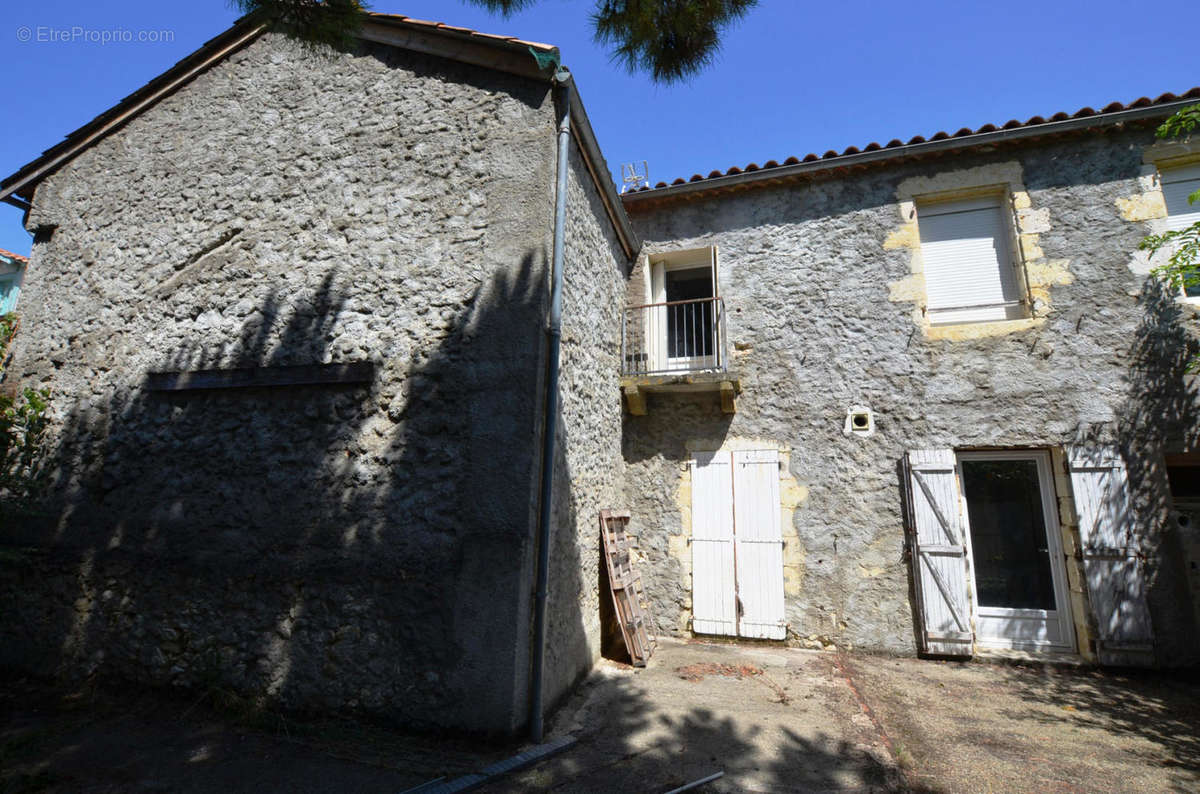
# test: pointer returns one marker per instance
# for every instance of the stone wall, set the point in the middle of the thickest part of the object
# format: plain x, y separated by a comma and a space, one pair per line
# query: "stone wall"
823, 302
589, 466
318, 547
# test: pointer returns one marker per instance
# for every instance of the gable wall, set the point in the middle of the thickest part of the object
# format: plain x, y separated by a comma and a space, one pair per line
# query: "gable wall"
361, 548
823, 290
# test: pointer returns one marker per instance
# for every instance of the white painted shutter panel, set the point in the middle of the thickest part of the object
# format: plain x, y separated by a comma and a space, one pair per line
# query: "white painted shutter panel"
1112, 559
969, 274
713, 602
939, 553
1177, 185
759, 544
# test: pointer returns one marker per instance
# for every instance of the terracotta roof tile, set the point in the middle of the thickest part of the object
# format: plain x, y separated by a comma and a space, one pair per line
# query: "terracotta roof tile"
427, 23
1084, 112
17, 257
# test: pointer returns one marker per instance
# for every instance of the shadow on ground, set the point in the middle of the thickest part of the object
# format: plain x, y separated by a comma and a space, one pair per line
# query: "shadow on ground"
988, 727
771, 719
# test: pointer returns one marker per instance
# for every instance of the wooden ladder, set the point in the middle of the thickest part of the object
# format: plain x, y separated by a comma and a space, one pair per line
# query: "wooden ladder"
628, 595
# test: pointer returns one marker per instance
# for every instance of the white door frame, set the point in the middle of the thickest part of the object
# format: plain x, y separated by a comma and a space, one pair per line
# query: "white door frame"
658, 321
985, 617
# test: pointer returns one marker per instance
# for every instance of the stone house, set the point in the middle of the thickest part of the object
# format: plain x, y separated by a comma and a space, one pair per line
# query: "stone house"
12, 274
293, 307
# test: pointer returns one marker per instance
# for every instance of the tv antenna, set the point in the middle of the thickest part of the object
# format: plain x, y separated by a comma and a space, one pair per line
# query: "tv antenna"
633, 177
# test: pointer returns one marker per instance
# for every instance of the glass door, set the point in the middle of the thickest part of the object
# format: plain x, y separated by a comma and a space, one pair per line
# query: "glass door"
1017, 566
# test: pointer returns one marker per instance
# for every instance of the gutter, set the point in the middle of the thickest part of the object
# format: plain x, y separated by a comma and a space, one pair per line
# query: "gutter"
879, 156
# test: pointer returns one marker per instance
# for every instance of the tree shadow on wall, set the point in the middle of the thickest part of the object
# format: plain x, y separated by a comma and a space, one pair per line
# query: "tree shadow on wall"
334, 548
1160, 416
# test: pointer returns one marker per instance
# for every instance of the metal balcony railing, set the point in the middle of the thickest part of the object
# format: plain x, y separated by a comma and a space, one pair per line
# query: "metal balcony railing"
675, 337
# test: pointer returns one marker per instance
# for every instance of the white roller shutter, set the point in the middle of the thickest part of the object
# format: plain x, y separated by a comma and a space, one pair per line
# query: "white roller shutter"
939, 553
1177, 185
1112, 557
969, 273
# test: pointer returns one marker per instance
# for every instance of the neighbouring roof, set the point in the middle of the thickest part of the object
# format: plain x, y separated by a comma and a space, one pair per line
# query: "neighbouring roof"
475, 34
503, 53
1037, 126
14, 258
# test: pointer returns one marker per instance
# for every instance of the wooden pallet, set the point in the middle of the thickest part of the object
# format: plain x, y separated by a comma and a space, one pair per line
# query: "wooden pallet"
629, 598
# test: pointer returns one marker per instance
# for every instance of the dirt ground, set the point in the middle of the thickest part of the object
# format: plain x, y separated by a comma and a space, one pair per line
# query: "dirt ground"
771, 719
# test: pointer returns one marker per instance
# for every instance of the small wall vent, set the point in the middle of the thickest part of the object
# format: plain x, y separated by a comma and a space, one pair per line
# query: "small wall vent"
860, 421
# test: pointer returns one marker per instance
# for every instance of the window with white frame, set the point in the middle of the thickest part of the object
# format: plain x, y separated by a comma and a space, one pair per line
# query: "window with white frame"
967, 255
684, 317
1177, 184
10, 287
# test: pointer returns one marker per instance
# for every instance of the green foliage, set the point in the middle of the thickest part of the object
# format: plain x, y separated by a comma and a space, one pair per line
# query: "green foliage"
332, 23
1182, 268
1181, 271
1182, 123
671, 39
23, 424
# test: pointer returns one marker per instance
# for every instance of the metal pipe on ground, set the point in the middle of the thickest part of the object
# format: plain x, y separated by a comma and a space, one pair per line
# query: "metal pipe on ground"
562, 82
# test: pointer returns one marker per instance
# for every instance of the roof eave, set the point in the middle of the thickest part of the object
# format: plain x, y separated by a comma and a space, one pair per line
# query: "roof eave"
878, 156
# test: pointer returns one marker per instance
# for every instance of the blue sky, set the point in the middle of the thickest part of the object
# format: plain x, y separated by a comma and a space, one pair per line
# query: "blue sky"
792, 78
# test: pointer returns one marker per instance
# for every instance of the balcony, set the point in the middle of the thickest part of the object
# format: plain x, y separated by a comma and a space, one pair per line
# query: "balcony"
676, 346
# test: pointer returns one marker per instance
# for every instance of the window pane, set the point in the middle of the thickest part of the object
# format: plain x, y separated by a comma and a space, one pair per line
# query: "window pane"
1008, 534
689, 325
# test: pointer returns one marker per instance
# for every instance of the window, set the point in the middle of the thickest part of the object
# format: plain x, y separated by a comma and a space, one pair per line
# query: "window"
684, 317
1177, 185
967, 255
10, 289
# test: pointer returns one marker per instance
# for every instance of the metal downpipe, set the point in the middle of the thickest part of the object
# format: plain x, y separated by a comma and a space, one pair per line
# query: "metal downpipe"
562, 81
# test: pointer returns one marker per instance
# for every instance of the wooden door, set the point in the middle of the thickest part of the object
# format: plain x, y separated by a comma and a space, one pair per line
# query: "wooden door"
1113, 561
714, 587
759, 544
737, 545
939, 554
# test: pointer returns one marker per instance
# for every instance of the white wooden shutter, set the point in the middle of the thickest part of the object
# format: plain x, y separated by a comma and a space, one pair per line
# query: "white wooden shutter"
759, 544
939, 553
1177, 185
1112, 558
969, 272
714, 605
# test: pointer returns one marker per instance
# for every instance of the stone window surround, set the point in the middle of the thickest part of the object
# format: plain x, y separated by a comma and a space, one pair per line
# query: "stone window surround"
1149, 205
791, 496
928, 204
1035, 272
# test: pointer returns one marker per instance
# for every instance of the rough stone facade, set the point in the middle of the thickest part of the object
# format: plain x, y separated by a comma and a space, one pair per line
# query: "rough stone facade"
317, 547
823, 309
589, 467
